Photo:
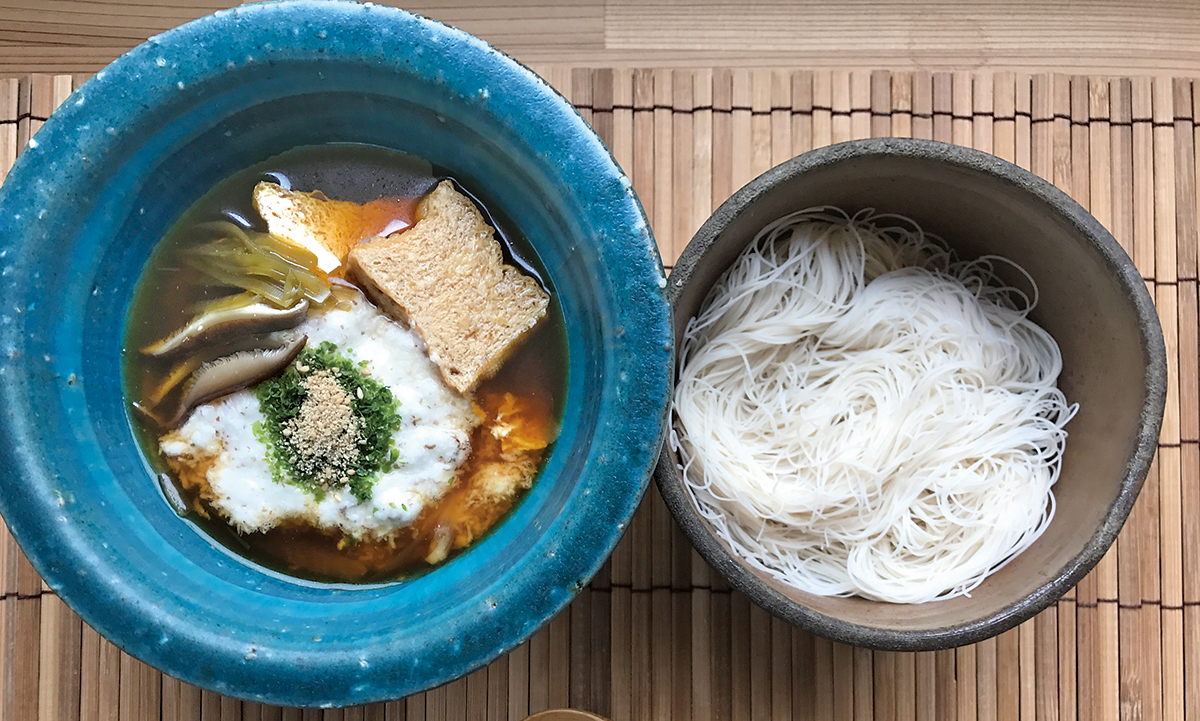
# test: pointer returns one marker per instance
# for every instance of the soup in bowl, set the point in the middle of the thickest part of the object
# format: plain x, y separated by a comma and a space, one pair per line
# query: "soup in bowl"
122, 221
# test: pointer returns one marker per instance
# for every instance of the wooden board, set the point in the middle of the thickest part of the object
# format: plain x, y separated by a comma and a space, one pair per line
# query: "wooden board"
1078, 36
657, 635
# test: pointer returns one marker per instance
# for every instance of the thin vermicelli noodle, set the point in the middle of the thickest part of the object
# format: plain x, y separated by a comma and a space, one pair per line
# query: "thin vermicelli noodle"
858, 412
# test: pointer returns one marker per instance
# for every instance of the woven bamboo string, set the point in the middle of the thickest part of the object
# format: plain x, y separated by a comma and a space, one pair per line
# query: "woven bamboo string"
657, 635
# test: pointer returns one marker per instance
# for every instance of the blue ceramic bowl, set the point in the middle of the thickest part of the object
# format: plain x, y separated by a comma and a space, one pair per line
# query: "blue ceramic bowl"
112, 170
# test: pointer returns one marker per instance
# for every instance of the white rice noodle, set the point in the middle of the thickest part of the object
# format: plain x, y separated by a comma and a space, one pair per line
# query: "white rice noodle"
859, 413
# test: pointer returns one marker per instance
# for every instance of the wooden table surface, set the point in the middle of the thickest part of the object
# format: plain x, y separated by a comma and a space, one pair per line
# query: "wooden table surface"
1098, 96
1113, 37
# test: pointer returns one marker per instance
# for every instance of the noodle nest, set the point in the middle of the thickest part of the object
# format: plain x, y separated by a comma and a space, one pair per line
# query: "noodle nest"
858, 412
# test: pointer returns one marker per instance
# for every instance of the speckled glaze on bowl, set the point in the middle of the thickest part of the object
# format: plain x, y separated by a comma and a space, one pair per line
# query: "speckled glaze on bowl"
117, 164
1094, 303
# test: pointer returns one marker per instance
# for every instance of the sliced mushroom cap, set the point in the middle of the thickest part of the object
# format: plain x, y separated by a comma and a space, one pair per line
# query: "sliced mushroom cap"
233, 372
216, 326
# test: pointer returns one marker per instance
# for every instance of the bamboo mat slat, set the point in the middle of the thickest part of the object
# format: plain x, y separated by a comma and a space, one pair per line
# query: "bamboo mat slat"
658, 635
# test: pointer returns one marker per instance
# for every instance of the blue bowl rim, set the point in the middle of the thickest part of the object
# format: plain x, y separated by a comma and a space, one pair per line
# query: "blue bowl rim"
614, 205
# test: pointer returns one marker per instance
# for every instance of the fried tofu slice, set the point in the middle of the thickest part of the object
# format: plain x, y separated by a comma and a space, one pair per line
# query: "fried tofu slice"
446, 277
327, 228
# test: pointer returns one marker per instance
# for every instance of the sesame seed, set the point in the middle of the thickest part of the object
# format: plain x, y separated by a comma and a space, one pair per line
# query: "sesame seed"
325, 434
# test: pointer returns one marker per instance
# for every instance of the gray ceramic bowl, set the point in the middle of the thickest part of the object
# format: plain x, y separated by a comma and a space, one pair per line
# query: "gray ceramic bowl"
1093, 301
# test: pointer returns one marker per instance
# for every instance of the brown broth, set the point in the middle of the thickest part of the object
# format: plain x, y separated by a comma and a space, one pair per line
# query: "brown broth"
391, 183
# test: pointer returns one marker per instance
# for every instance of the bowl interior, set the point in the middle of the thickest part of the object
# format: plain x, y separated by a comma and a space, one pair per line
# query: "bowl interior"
131, 151
1085, 303
299, 104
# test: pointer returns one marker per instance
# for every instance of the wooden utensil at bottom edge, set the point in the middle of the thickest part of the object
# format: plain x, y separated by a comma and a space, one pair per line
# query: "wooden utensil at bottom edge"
564, 714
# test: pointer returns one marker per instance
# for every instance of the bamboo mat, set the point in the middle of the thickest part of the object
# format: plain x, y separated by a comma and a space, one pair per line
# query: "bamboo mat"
657, 635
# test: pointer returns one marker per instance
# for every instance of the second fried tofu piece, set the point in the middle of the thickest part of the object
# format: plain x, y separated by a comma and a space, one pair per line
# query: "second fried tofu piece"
328, 228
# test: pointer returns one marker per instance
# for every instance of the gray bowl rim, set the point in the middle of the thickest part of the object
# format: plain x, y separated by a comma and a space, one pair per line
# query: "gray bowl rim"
1090, 231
